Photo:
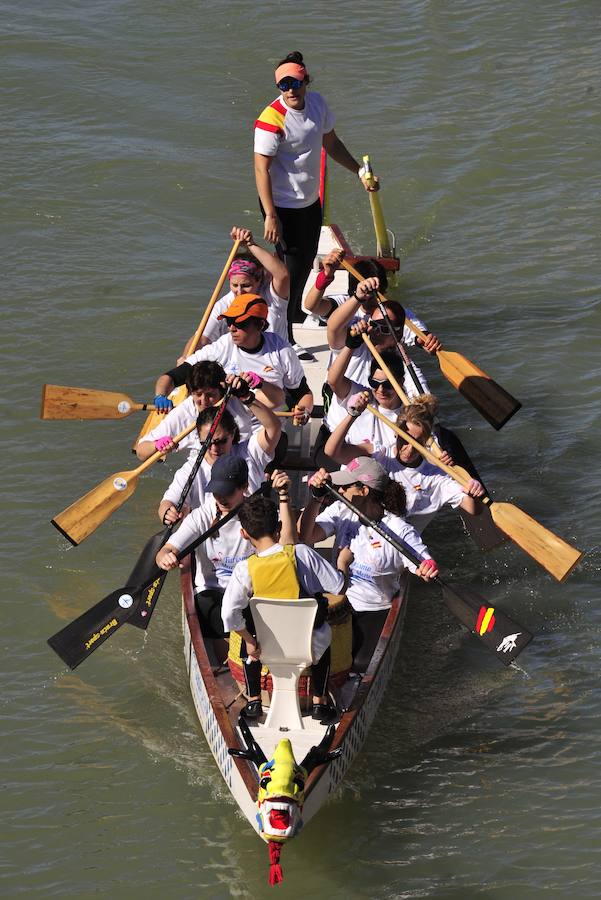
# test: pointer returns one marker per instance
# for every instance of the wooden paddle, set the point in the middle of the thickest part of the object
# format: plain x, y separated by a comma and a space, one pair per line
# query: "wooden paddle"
549, 550
78, 640
84, 516
62, 402
495, 629
492, 401
180, 393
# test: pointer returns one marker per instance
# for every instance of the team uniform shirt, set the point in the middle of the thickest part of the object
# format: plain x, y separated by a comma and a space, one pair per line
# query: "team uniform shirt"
219, 554
426, 487
276, 316
294, 139
275, 361
314, 574
185, 413
256, 459
368, 427
375, 573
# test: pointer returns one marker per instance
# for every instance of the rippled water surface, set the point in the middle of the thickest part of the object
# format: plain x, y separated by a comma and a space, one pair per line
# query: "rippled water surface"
126, 147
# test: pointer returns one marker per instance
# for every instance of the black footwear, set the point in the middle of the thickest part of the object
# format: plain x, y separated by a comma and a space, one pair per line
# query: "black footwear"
252, 710
325, 712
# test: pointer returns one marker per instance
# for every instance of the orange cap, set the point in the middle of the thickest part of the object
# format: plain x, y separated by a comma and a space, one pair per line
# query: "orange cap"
290, 70
245, 306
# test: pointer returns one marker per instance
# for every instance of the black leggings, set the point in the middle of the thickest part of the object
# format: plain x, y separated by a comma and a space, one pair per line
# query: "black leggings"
367, 627
208, 609
300, 237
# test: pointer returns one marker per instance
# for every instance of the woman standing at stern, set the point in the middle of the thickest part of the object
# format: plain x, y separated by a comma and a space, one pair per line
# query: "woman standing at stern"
289, 135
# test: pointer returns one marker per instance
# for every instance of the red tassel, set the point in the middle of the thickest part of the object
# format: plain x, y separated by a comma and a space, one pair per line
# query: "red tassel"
275, 869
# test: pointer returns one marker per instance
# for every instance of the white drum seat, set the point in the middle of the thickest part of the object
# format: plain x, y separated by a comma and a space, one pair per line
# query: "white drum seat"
284, 629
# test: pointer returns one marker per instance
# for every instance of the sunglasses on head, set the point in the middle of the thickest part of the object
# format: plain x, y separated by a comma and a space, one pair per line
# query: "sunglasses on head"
386, 385
231, 320
287, 84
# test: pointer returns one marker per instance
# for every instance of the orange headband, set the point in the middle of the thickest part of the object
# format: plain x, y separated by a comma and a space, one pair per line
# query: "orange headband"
290, 70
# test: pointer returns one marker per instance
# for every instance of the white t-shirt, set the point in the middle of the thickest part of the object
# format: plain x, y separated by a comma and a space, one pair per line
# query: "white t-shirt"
186, 412
277, 315
217, 556
314, 574
276, 362
256, 459
426, 487
375, 572
368, 427
294, 139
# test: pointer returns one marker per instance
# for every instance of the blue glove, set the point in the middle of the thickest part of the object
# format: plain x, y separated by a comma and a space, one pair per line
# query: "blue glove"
162, 404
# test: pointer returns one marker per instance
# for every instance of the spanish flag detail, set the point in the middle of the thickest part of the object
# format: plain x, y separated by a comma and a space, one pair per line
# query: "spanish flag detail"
272, 118
486, 620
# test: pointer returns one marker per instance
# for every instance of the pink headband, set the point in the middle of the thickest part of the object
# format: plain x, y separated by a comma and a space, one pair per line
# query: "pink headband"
290, 70
244, 267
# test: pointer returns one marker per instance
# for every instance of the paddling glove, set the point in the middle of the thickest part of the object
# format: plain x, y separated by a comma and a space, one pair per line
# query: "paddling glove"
163, 404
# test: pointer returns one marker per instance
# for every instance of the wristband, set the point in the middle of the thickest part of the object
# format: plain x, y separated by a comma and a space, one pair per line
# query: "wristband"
354, 412
248, 400
322, 281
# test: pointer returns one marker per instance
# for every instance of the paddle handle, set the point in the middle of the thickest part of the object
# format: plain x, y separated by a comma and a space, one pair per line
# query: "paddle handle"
205, 318
353, 271
376, 355
382, 242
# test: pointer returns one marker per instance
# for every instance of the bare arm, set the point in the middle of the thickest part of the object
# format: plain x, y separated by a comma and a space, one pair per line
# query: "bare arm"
340, 318
280, 279
337, 150
315, 301
281, 483
263, 181
337, 380
336, 446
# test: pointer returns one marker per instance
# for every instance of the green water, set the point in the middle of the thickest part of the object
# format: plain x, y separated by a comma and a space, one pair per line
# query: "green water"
126, 139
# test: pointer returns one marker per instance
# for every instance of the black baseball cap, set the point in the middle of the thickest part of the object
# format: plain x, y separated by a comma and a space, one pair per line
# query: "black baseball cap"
227, 473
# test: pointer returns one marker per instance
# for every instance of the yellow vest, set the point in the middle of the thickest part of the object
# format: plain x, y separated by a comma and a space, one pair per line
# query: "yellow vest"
274, 576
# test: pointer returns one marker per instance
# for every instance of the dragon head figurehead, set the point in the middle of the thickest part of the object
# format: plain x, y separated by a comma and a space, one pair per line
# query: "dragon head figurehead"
282, 789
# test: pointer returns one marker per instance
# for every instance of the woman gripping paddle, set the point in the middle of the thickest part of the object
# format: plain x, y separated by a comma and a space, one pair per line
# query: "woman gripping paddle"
289, 136
258, 451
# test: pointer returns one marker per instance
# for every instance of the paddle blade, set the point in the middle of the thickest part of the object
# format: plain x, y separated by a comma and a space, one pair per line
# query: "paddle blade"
506, 639
146, 601
79, 520
551, 551
62, 402
492, 401
78, 640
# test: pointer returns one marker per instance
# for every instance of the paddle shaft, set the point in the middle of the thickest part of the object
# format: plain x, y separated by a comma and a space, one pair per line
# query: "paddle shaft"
214, 296
506, 641
382, 242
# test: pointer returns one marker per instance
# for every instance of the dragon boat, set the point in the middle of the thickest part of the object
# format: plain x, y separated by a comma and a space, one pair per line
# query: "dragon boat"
282, 769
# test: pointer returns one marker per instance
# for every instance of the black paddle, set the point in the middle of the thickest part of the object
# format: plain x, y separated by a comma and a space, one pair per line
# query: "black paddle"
145, 605
496, 630
77, 640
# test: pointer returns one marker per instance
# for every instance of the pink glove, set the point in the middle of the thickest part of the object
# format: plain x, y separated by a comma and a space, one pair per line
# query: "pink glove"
253, 380
429, 564
353, 402
162, 443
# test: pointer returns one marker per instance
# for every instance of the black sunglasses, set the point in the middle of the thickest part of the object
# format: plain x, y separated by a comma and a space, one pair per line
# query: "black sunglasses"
386, 385
231, 320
